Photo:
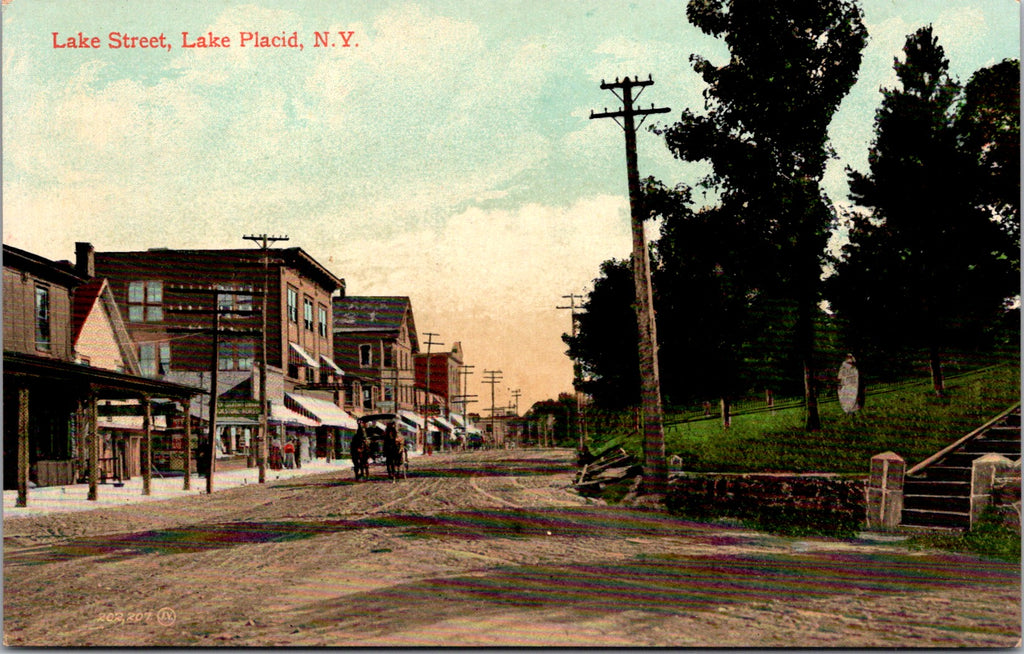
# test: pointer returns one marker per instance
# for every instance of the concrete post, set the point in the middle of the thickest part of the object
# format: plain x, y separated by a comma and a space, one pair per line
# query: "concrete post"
885, 491
983, 473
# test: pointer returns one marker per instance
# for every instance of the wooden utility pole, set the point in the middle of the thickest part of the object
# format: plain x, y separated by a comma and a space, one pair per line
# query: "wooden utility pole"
427, 405
264, 242
215, 332
465, 397
655, 476
577, 373
492, 377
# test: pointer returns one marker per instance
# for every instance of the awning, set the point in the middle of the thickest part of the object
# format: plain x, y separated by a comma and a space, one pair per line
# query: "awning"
281, 414
326, 412
330, 364
303, 355
411, 418
457, 420
442, 423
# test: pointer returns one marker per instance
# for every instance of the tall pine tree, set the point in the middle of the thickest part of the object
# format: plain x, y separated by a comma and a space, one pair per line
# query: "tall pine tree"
764, 131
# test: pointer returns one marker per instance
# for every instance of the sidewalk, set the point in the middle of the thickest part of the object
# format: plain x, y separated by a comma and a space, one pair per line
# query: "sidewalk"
62, 499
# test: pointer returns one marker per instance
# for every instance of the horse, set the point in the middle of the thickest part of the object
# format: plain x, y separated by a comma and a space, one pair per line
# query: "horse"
394, 453
360, 450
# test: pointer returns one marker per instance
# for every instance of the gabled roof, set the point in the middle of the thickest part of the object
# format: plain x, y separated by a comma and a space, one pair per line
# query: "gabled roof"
84, 300
383, 314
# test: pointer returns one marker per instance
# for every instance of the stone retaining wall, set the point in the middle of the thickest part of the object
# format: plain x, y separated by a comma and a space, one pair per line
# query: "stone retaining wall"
785, 503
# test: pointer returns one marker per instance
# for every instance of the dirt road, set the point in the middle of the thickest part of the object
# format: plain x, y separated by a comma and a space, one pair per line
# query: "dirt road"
474, 549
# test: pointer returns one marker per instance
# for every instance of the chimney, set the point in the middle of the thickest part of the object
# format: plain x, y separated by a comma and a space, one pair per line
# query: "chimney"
85, 260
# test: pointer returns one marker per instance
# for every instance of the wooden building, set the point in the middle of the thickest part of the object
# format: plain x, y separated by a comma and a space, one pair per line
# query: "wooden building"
375, 338
65, 352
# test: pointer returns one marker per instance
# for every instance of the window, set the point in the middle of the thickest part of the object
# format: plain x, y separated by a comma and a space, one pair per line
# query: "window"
149, 363
43, 318
322, 320
307, 313
388, 393
389, 356
233, 301
365, 355
367, 398
293, 305
145, 301
235, 356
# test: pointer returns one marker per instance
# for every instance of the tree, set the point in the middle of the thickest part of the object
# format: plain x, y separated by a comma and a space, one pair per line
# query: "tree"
764, 131
605, 341
920, 267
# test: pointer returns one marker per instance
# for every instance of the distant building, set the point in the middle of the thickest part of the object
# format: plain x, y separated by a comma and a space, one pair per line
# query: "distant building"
375, 341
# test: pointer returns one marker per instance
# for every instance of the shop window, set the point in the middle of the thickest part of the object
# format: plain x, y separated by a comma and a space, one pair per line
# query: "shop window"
145, 301
43, 318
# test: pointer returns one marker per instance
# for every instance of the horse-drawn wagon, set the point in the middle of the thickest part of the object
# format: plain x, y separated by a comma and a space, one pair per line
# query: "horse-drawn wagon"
378, 441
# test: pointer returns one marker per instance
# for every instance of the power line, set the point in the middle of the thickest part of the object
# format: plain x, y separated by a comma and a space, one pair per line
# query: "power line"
492, 377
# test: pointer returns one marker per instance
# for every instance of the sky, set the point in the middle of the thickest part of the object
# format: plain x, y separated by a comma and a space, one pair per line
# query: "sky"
440, 150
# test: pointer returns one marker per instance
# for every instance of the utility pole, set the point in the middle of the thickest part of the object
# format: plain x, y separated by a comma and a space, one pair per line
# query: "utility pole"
264, 242
577, 373
492, 377
428, 406
464, 397
215, 332
515, 413
655, 476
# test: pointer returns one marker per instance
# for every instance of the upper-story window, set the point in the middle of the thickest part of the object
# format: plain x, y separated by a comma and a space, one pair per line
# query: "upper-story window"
43, 318
145, 301
389, 356
235, 355
307, 313
233, 301
322, 321
154, 359
366, 355
293, 305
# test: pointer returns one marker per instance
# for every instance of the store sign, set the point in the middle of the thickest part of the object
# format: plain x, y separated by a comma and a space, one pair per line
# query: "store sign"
238, 409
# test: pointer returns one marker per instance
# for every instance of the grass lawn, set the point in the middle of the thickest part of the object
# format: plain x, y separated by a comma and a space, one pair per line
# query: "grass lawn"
910, 421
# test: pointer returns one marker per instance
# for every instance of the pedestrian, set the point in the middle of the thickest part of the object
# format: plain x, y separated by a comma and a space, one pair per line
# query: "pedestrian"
298, 451
289, 454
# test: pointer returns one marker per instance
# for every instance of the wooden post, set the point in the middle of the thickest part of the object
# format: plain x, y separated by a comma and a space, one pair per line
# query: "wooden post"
94, 449
23, 459
147, 460
187, 466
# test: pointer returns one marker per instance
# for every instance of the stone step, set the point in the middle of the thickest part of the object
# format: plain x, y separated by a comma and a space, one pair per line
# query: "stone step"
947, 473
950, 503
928, 487
947, 519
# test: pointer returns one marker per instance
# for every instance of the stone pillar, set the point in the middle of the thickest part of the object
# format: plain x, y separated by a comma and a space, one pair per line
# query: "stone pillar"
983, 473
885, 491
23, 458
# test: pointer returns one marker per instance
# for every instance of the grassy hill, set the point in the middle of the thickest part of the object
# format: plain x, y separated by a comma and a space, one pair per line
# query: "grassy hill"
908, 420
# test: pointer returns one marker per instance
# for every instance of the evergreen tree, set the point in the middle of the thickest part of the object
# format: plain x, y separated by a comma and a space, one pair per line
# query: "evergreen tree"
920, 267
764, 132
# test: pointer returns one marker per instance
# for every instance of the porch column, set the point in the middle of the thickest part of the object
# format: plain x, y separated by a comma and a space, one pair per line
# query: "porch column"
147, 459
93, 437
23, 462
188, 445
